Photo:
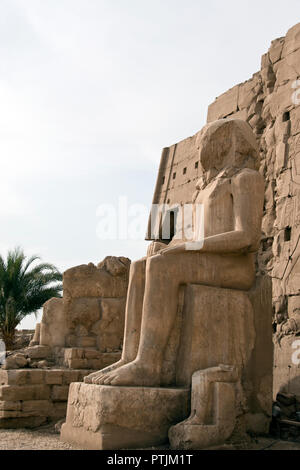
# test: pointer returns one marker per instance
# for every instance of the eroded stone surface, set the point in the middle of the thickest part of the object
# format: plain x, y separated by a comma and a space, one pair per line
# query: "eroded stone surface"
270, 103
30, 397
101, 417
213, 417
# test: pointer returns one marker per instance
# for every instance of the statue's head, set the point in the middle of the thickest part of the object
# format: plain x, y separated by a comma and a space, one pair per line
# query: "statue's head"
227, 143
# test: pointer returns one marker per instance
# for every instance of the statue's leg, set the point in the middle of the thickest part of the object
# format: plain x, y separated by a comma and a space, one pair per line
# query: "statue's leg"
133, 318
163, 279
164, 275
134, 309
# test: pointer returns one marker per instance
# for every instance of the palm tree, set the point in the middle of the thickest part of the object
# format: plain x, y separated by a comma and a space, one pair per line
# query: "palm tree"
24, 287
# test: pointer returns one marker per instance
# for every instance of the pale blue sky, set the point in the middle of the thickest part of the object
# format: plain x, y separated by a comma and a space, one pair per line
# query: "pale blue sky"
90, 92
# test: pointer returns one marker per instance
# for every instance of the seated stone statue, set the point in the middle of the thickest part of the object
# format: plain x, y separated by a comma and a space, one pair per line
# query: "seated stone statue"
231, 192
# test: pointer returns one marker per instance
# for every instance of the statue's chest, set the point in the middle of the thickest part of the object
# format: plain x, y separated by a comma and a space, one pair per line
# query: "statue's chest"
217, 206
216, 194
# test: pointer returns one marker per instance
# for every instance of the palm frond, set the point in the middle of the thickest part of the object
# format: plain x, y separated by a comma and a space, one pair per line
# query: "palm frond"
25, 288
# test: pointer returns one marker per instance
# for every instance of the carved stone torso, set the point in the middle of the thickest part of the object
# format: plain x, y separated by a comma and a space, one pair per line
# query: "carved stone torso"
218, 207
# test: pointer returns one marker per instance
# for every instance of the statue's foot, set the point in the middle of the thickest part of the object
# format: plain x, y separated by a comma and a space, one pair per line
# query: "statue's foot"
133, 374
95, 377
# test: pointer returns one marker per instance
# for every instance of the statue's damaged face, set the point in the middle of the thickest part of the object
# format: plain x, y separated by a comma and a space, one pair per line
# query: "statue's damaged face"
223, 144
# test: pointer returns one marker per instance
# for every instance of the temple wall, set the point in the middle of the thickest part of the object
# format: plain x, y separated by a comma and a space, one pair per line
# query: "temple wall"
270, 103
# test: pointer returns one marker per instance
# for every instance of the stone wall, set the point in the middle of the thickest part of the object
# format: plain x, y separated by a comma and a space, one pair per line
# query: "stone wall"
83, 329
269, 103
32, 397
91, 312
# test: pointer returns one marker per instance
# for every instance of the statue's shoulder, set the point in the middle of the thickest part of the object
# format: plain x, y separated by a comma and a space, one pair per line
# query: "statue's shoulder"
247, 178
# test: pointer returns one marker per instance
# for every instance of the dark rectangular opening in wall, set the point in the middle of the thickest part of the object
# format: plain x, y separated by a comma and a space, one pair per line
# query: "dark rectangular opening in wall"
184, 171
287, 234
174, 176
286, 116
196, 165
168, 227
163, 180
172, 224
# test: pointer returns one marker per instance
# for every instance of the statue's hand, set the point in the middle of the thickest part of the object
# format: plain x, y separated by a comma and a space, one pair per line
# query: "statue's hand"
180, 248
155, 247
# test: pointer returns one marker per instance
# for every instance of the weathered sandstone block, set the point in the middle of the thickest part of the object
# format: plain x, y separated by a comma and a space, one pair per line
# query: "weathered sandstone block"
10, 405
35, 377
15, 361
109, 279
228, 317
38, 352
224, 105
36, 408
24, 392
101, 417
275, 51
292, 40
58, 410
53, 326
28, 395
71, 376
54, 377
212, 420
60, 393
13, 377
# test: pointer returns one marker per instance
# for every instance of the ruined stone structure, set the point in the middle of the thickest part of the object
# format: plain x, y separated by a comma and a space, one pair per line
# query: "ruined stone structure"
32, 397
270, 101
85, 328
79, 333
197, 315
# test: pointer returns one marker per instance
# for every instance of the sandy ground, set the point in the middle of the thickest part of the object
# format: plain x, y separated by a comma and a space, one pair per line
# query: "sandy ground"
46, 438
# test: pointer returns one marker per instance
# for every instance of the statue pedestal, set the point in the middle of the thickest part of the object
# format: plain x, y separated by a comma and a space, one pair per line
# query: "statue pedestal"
101, 417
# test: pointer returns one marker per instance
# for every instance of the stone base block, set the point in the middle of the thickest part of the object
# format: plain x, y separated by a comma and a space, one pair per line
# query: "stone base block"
101, 417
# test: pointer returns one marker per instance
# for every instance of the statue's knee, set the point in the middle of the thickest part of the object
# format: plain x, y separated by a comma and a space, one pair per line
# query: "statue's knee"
137, 268
154, 263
